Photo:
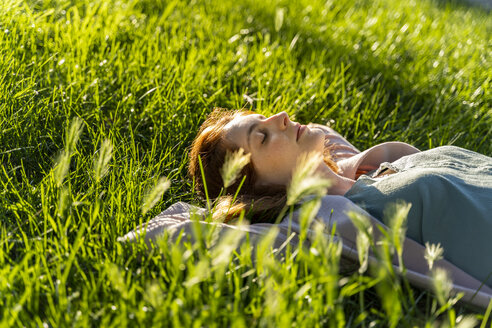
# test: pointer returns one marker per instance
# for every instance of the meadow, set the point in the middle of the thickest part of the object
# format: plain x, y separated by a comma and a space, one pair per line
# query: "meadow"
100, 100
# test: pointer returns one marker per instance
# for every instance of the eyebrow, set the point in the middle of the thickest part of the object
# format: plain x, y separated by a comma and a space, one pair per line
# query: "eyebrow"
250, 130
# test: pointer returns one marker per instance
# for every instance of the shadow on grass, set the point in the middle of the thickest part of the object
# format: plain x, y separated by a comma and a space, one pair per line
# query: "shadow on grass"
459, 118
485, 5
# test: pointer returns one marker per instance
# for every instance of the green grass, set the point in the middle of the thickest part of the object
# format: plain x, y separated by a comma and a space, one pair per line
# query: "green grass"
143, 75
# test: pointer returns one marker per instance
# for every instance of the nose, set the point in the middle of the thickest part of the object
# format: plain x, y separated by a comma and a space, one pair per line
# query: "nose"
280, 119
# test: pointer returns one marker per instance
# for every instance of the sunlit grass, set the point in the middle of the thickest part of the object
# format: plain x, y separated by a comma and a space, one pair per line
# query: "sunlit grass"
99, 101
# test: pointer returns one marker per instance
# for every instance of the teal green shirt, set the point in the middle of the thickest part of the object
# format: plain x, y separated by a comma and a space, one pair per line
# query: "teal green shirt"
450, 190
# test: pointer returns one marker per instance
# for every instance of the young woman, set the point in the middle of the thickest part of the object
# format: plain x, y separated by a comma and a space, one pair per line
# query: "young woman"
449, 188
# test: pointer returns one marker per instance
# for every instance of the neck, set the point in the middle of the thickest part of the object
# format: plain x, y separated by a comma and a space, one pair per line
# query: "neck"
340, 184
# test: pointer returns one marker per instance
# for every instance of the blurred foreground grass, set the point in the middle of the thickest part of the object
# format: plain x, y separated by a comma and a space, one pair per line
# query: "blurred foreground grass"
141, 76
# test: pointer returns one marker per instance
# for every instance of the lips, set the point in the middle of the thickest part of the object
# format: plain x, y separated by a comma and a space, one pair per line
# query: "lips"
300, 130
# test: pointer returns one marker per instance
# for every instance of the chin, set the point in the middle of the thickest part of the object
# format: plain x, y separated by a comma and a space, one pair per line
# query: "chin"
318, 139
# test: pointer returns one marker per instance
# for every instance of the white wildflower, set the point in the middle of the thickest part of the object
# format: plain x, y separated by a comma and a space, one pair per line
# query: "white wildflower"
433, 253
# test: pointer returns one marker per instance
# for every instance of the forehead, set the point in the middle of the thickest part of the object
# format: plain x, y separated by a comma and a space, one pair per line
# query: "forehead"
236, 131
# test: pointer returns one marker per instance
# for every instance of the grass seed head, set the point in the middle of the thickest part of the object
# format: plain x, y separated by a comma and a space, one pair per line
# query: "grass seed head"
61, 168
441, 284
155, 194
101, 163
234, 163
306, 180
468, 321
364, 238
73, 133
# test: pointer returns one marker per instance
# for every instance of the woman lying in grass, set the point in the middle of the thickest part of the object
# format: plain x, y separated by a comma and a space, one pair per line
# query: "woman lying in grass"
449, 188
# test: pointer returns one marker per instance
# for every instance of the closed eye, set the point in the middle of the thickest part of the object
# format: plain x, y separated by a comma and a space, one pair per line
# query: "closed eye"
265, 136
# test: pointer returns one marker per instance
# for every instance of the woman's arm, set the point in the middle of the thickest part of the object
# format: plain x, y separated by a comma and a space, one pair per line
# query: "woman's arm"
371, 158
351, 162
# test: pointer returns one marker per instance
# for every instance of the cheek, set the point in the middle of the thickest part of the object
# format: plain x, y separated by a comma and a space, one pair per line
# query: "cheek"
279, 162
281, 149
277, 159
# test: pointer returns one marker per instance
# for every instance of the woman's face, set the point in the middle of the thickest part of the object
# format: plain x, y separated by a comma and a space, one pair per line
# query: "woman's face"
274, 143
